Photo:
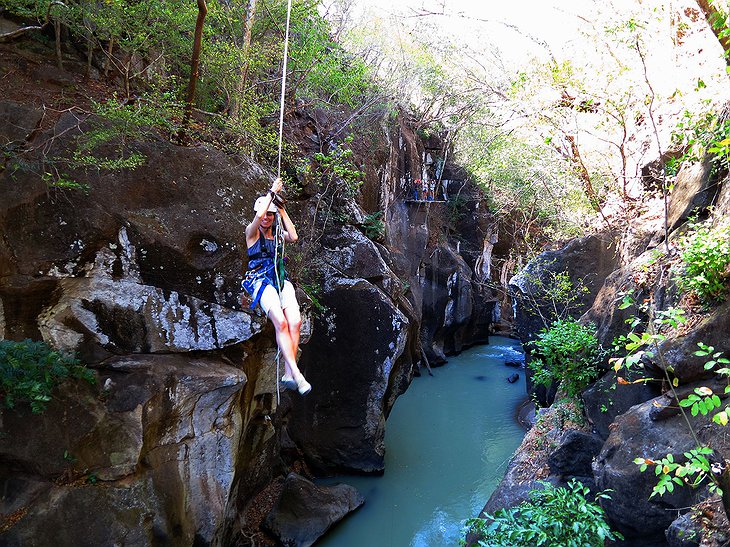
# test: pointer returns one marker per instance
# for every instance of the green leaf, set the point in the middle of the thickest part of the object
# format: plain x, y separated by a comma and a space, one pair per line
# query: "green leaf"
721, 418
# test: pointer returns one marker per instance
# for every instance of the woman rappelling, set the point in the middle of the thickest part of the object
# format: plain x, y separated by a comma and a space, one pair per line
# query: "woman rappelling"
266, 280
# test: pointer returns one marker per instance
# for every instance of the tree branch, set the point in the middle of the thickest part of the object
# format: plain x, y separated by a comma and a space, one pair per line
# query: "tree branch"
12, 35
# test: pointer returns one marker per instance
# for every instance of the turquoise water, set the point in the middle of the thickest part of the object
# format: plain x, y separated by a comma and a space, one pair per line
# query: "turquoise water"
448, 441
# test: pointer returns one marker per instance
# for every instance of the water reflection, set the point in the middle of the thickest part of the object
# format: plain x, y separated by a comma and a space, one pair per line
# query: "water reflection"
448, 441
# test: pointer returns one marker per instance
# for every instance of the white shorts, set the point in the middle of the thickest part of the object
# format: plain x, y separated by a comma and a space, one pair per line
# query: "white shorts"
270, 298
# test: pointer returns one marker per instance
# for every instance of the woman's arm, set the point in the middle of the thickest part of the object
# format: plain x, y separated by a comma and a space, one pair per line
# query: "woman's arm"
290, 232
252, 230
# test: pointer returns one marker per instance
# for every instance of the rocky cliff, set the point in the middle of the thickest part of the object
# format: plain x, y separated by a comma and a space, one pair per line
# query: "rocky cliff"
182, 440
633, 413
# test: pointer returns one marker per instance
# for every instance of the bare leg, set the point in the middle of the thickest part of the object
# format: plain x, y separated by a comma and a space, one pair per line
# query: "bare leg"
288, 349
287, 323
285, 342
294, 319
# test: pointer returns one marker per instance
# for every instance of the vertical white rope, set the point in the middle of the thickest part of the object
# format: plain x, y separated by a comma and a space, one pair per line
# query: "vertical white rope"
279, 231
278, 378
283, 87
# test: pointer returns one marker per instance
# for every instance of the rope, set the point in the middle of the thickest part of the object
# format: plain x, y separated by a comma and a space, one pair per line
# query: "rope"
278, 389
283, 87
279, 230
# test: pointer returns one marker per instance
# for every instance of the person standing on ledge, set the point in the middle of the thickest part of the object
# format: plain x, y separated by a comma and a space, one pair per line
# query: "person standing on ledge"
267, 283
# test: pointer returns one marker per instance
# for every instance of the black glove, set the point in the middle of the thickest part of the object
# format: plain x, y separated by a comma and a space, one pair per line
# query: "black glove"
277, 200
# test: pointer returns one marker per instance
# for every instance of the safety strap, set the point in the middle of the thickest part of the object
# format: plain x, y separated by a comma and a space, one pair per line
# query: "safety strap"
279, 275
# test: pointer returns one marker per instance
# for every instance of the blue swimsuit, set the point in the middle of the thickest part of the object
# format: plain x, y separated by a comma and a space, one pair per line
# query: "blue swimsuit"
261, 268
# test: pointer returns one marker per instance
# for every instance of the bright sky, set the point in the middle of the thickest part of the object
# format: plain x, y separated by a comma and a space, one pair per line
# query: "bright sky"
553, 21
556, 22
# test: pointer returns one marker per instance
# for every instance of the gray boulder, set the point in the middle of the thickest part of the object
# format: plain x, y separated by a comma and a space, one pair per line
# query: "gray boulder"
679, 352
574, 455
606, 399
304, 511
349, 361
684, 532
636, 434
587, 261
694, 190
17, 122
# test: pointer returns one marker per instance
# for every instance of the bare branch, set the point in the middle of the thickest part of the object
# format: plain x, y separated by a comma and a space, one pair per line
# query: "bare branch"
12, 35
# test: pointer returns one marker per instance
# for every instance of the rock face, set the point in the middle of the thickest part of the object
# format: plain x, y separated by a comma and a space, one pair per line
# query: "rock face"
447, 297
140, 275
159, 429
351, 437
586, 261
636, 434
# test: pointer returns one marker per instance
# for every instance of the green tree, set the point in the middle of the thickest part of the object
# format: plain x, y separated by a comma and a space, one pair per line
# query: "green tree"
568, 354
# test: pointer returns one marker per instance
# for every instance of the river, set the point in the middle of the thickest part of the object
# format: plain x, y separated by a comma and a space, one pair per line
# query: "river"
448, 441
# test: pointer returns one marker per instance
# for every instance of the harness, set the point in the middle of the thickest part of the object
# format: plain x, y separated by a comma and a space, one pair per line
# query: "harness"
265, 265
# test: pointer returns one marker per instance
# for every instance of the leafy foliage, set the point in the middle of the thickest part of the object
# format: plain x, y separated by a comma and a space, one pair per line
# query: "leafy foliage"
335, 171
147, 45
694, 468
692, 135
374, 226
551, 517
639, 344
552, 295
329, 73
118, 123
693, 471
526, 184
29, 371
705, 251
700, 134
568, 353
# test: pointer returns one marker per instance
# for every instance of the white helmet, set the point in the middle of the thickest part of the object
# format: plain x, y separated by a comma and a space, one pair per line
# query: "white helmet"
259, 204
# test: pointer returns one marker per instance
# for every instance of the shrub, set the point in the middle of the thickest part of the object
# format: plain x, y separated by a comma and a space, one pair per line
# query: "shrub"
30, 370
551, 517
705, 251
553, 295
374, 226
566, 353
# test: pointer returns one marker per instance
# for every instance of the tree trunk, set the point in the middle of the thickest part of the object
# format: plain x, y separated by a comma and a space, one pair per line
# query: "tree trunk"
585, 176
714, 17
13, 34
577, 162
89, 53
110, 52
241, 85
59, 55
194, 63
